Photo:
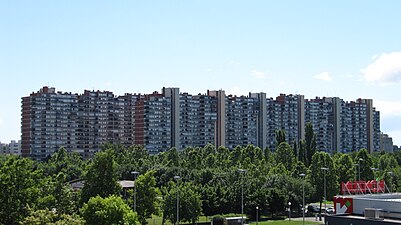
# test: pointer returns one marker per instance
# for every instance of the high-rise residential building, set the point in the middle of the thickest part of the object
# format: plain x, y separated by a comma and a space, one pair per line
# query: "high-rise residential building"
198, 117
160, 121
323, 114
286, 112
49, 121
241, 121
386, 143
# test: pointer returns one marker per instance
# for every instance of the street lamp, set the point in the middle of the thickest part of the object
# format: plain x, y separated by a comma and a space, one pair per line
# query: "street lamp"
325, 169
135, 173
257, 215
303, 198
242, 195
374, 175
359, 168
289, 211
391, 181
178, 200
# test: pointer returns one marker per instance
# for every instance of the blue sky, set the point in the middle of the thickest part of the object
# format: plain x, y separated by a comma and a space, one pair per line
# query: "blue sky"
350, 49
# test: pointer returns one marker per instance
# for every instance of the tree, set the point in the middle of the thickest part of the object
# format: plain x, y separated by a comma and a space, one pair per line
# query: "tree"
19, 189
317, 175
280, 137
56, 194
147, 201
50, 217
106, 211
364, 159
70, 163
344, 168
310, 143
276, 200
190, 205
285, 155
387, 162
101, 177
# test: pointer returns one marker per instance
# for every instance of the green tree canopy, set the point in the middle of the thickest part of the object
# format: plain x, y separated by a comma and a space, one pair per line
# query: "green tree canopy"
101, 177
147, 202
190, 204
19, 189
50, 217
106, 211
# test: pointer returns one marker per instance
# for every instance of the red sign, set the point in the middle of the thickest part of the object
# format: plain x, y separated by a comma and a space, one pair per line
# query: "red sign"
342, 205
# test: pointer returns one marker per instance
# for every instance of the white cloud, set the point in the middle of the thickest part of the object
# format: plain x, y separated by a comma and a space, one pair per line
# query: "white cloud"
388, 108
384, 70
258, 74
323, 76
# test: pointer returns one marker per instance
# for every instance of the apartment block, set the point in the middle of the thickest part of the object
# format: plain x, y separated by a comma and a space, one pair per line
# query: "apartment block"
12, 148
160, 121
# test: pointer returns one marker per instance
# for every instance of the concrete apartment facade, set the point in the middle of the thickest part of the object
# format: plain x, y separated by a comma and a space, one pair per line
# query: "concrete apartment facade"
12, 148
160, 121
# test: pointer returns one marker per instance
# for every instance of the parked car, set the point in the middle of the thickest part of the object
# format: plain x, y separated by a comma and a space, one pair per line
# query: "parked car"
330, 210
312, 209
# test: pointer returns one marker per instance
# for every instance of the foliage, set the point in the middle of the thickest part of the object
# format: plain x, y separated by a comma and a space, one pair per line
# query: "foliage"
210, 182
106, 211
364, 159
19, 189
321, 169
101, 178
147, 202
189, 202
51, 217
310, 144
344, 168
280, 137
69, 163
285, 155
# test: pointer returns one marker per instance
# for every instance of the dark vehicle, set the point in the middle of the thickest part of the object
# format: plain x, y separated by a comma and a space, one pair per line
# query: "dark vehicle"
312, 209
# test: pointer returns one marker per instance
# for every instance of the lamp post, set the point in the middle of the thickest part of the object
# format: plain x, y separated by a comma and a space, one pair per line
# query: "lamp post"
135, 173
374, 175
356, 172
242, 194
178, 200
359, 168
257, 215
289, 211
324, 174
391, 181
303, 198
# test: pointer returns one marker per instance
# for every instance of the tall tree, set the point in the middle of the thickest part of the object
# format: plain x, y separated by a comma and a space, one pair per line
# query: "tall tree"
147, 202
101, 177
317, 176
310, 143
70, 163
364, 159
190, 205
280, 137
302, 151
19, 189
285, 155
344, 168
